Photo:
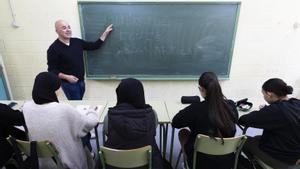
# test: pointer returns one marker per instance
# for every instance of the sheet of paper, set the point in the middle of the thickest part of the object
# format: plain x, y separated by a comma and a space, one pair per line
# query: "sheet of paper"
84, 109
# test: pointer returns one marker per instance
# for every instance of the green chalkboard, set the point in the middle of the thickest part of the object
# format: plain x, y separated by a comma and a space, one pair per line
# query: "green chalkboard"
159, 40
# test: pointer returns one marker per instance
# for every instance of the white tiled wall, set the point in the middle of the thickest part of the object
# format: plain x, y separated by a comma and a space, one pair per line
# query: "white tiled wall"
267, 45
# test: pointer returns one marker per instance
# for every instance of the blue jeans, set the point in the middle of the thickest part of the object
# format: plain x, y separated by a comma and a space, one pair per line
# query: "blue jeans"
73, 91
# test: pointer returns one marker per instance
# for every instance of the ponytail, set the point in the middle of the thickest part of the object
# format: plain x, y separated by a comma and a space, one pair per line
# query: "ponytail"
277, 86
220, 114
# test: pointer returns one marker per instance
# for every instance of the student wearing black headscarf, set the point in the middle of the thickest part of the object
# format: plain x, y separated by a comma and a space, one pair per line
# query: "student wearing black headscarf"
8, 119
132, 122
44, 88
60, 123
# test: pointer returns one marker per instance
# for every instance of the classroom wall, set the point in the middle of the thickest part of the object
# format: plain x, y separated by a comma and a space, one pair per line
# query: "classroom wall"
266, 45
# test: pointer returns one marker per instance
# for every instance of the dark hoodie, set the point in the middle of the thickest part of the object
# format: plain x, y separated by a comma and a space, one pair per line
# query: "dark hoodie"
129, 127
132, 123
281, 123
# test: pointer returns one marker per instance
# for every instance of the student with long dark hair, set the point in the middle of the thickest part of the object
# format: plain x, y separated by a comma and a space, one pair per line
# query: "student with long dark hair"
279, 145
215, 116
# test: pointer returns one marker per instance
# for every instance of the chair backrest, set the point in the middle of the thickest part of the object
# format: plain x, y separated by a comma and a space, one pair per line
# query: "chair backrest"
126, 158
44, 149
263, 165
217, 146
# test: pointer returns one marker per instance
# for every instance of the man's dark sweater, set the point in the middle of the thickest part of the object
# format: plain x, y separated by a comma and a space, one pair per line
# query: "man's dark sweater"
69, 59
281, 124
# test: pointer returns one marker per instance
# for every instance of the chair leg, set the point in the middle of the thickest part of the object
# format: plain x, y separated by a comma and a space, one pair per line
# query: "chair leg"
172, 145
160, 137
178, 158
165, 138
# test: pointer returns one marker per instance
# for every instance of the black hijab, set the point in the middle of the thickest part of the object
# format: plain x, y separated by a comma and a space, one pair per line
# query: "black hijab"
45, 85
131, 91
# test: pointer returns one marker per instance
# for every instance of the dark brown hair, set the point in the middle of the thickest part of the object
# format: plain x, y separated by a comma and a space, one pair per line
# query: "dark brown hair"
277, 86
220, 114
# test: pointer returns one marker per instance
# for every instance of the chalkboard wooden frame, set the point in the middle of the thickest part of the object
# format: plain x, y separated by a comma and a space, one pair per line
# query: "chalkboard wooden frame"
155, 76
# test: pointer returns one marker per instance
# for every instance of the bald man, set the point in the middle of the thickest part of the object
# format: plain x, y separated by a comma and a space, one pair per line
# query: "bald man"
65, 58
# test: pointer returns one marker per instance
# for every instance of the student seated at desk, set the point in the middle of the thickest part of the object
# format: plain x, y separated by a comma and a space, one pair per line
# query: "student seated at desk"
8, 119
60, 123
132, 122
279, 145
215, 117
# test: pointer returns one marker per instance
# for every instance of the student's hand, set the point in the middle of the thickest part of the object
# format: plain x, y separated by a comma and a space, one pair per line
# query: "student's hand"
94, 108
106, 32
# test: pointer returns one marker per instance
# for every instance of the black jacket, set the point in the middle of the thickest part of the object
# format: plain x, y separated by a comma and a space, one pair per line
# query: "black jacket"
8, 119
129, 128
281, 123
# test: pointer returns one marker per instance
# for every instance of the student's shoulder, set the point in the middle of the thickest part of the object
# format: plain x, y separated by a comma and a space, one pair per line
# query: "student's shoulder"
4, 108
2, 105
66, 106
231, 103
65, 109
28, 104
196, 106
285, 104
294, 101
